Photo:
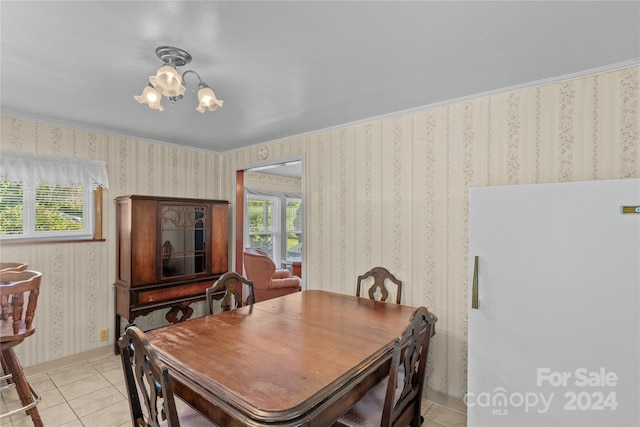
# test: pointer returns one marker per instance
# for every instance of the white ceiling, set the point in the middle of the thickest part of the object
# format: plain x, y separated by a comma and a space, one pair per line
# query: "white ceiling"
291, 67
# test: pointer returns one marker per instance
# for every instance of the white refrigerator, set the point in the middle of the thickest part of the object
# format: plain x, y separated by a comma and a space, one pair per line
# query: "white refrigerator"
554, 304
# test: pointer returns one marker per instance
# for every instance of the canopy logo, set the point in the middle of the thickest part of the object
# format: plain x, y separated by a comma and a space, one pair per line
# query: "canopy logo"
499, 400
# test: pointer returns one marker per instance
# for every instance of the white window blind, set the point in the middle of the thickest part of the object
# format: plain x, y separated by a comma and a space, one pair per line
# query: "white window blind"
47, 197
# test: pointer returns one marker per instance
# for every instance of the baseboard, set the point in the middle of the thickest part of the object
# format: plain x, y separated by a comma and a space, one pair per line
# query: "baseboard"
445, 400
68, 360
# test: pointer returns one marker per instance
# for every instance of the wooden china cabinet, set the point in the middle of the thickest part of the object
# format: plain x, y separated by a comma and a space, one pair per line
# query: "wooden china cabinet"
168, 251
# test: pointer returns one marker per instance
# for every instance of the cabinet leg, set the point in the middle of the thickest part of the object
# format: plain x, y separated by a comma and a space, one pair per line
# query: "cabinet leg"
116, 329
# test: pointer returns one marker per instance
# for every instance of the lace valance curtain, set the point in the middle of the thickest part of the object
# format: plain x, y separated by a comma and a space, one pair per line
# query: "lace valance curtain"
21, 167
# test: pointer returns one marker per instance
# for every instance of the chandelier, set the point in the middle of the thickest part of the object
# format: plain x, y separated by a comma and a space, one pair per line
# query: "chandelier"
168, 82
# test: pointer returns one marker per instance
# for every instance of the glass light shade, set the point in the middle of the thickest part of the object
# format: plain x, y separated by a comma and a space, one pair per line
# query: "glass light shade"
151, 97
168, 81
207, 100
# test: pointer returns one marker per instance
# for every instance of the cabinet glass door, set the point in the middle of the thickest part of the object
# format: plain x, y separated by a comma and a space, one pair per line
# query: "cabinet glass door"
183, 240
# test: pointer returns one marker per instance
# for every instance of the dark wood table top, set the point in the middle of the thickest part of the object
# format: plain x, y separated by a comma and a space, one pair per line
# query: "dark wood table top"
301, 359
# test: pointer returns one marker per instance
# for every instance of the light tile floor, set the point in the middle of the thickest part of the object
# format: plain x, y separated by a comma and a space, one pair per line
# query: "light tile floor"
92, 394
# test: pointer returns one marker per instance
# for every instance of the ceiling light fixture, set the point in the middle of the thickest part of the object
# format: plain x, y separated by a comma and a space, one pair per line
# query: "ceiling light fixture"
168, 82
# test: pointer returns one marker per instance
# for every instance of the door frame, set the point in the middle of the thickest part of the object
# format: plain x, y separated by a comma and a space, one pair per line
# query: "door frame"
239, 207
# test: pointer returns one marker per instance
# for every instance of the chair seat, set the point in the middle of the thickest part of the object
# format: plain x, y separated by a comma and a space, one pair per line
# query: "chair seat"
189, 417
7, 335
368, 410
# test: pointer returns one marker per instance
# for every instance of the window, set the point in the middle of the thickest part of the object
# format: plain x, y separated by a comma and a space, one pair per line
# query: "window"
45, 211
49, 198
293, 221
263, 226
275, 226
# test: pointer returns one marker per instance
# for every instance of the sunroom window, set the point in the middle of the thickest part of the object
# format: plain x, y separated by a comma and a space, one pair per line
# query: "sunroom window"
274, 224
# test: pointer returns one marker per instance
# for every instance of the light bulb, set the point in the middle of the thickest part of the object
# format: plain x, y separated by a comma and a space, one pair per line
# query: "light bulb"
207, 100
151, 97
168, 81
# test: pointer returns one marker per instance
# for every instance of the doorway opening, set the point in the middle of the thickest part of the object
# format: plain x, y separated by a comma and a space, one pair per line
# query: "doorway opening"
270, 212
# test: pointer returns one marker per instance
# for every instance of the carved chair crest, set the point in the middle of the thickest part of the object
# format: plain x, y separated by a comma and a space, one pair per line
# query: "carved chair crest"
375, 281
228, 288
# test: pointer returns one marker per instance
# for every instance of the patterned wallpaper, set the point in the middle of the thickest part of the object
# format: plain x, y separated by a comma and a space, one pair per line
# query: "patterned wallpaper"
76, 297
390, 192
394, 192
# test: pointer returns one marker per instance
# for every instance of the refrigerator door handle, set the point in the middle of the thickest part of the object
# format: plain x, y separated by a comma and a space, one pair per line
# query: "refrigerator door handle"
474, 293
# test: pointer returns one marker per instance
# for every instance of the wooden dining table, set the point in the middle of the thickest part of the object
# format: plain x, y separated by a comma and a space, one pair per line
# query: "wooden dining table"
298, 360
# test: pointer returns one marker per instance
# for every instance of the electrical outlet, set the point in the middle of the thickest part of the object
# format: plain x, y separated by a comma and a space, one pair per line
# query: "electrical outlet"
104, 334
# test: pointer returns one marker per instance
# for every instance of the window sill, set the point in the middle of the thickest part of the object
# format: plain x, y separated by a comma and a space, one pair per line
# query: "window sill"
45, 241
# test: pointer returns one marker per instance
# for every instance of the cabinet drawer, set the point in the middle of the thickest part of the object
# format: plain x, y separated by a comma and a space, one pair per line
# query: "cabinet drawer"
173, 292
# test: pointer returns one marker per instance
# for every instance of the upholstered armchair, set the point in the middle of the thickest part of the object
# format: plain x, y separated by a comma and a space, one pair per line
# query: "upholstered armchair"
268, 282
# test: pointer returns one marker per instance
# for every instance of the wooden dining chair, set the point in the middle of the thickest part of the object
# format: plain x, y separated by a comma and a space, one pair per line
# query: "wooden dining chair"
379, 284
228, 288
4, 299
147, 379
396, 401
18, 288
13, 266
